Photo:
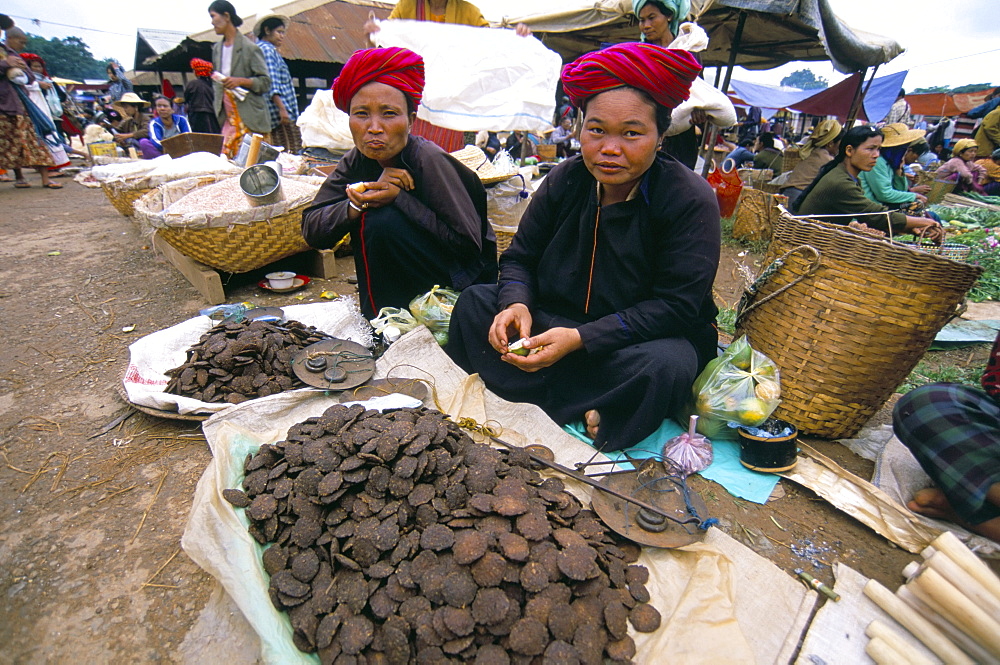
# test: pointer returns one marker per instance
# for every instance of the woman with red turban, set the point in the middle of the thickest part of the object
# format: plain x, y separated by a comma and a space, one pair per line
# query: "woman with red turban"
199, 99
416, 215
609, 277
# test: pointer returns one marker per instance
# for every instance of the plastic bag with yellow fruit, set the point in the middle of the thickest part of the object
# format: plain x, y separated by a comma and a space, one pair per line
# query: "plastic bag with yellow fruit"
433, 309
741, 386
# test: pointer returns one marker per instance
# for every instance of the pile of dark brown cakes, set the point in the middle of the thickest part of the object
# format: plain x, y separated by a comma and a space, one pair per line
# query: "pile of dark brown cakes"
397, 539
236, 362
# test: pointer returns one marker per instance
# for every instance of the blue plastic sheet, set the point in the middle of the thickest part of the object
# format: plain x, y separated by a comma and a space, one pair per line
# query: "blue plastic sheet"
725, 468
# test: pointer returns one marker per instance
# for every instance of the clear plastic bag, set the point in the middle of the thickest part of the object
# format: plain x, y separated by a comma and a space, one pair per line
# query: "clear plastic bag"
392, 322
741, 386
433, 309
690, 452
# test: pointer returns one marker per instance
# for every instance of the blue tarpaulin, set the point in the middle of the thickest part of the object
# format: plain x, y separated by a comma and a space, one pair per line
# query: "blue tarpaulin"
835, 100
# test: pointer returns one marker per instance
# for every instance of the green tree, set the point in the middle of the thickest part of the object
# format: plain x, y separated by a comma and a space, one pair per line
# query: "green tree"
973, 87
69, 57
804, 79
933, 88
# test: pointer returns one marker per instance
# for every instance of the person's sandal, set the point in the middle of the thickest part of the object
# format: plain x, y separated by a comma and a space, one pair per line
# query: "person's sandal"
53, 185
22, 184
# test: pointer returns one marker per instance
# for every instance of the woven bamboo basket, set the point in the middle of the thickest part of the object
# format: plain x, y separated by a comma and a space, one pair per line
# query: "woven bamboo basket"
123, 196
230, 244
940, 189
756, 212
790, 159
505, 235
846, 317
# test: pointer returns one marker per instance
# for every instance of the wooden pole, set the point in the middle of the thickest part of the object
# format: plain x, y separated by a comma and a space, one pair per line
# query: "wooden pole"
971, 619
949, 543
734, 50
918, 625
880, 630
933, 613
859, 97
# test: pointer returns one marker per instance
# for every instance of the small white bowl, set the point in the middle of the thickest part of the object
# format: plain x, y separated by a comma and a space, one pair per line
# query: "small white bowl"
280, 280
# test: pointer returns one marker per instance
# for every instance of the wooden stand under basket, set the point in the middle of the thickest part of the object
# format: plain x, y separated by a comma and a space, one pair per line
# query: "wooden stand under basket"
208, 281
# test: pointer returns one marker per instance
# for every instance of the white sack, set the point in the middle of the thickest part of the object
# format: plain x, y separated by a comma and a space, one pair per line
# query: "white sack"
323, 125
713, 101
479, 78
153, 355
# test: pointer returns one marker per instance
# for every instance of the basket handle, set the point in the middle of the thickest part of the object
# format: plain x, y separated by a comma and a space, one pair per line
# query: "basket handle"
747, 303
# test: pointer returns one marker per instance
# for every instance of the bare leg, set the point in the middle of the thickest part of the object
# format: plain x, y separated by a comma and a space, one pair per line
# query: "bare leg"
933, 503
592, 419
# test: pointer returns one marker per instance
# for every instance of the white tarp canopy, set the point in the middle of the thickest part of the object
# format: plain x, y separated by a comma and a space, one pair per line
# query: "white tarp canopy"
501, 82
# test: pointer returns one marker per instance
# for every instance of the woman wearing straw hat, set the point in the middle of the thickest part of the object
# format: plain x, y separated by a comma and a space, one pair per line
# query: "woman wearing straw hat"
416, 215
242, 64
820, 149
134, 125
836, 197
963, 169
886, 183
609, 276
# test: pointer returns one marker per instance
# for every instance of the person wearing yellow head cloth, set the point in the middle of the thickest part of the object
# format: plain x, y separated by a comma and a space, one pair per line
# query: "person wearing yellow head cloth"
962, 167
821, 147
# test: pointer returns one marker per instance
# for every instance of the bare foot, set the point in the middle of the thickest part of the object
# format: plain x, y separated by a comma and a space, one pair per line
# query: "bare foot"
932, 502
592, 419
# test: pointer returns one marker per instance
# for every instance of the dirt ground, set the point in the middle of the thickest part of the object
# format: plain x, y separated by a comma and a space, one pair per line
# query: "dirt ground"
94, 510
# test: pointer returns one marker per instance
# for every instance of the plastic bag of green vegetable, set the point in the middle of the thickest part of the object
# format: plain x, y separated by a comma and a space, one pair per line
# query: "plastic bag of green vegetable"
433, 309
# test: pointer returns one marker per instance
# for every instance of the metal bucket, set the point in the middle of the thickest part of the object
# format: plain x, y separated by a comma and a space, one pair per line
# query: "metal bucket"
268, 153
262, 184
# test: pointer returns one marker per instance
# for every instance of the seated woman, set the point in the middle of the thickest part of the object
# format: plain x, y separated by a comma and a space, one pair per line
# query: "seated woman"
416, 215
886, 183
609, 276
134, 126
992, 166
164, 124
954, 432
836, 197
820, 149
768, 156
963, 169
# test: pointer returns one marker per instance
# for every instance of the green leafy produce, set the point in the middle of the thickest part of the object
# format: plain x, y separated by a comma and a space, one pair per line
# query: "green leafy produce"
962, 216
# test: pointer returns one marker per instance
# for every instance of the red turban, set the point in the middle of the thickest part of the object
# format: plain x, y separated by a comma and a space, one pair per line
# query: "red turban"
31, 57
665, 74
398, 67
201, 67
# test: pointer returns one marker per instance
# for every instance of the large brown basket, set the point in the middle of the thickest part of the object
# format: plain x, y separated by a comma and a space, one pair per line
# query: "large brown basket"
846, 317
123, 197
790, 159
756, 213
234, 247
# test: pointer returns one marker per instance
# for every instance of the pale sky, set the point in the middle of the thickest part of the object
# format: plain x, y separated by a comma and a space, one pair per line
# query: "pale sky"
936, 35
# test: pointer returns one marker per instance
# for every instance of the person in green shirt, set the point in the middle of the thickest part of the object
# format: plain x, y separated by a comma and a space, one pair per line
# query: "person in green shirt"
886, 183
768, 156
836, 197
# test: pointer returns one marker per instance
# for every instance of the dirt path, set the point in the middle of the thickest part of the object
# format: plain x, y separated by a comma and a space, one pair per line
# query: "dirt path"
91, 546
